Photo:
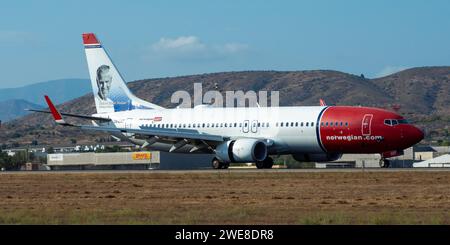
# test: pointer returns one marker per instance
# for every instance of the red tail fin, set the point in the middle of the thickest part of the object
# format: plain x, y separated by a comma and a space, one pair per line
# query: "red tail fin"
90, 39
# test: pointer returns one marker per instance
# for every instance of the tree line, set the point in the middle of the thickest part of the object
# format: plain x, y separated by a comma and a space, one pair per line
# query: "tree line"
16, 161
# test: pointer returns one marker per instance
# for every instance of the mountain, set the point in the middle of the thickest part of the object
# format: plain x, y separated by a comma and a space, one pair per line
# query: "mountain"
60, 90
11, 109
420, 94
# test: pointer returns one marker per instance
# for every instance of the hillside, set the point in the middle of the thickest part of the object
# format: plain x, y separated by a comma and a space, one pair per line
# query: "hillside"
11, 109
60, 90
421, 93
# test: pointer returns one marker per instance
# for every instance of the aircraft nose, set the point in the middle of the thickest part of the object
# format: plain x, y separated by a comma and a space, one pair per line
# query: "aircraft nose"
415, 134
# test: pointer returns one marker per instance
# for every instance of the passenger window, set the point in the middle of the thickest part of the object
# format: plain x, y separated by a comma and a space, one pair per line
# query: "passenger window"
235, 124
331, 123
346, 124
276, 124
240, 125
307, 124
296, 124
312, 124
341, 124
259, 124
301, 124
292, 124
327, 124
267, 124
281, 125
203, 125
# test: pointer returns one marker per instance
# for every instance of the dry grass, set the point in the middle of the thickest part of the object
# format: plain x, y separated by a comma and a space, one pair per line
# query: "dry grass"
226, 198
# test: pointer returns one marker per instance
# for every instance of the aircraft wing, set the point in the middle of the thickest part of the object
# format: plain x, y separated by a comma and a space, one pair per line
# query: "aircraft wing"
178, 137
167, 133
58, 115
102, 119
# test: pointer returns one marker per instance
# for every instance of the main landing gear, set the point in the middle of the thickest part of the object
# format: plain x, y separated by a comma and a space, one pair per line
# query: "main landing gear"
384, 163
267, 163
216, 164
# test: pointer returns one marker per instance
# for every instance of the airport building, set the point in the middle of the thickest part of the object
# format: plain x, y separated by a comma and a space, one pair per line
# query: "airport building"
438, 162
141, 160
410, 158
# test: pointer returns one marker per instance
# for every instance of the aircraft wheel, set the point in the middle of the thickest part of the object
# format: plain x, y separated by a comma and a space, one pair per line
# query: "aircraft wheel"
260, 164
384, 163
268, 162
216, 164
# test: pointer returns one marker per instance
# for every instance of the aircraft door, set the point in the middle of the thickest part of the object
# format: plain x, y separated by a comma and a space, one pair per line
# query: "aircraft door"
254, 126
245, 126
128, 122
366, 124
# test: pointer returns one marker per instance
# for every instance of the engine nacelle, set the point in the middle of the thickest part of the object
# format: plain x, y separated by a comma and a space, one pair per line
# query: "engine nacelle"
242, 150
317, 157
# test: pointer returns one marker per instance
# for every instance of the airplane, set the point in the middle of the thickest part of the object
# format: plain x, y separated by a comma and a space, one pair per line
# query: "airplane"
237, 134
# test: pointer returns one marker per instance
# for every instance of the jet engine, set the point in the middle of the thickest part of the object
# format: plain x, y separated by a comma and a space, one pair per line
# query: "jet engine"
242, 150
317, 157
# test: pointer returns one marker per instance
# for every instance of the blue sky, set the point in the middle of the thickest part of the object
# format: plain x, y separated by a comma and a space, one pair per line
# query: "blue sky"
41, 40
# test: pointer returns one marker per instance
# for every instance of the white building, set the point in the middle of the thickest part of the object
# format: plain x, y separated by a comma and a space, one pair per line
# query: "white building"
438, 162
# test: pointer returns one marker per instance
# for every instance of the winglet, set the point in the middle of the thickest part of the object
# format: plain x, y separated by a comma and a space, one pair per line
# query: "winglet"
322, 102
55, 113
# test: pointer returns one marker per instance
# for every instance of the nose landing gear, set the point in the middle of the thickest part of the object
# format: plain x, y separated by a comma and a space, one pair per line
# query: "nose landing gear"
384, 163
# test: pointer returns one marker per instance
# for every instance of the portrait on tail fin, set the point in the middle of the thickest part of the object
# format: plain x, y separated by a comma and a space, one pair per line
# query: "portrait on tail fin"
104, 81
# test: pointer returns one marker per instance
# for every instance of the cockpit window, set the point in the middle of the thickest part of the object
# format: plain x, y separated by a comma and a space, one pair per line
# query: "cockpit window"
392, 122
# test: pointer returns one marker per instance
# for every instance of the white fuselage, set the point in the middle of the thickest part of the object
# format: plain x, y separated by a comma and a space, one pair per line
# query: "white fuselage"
262, 122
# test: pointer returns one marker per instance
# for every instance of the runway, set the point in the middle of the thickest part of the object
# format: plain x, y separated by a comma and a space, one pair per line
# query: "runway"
236, 170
